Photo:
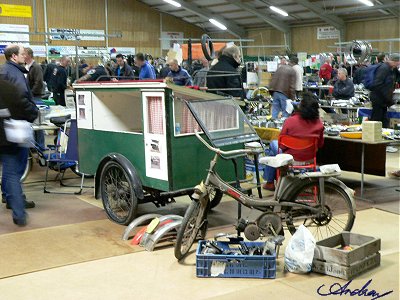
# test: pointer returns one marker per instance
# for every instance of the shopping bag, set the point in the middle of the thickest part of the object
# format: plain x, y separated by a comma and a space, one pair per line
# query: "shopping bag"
18, 131
299, 252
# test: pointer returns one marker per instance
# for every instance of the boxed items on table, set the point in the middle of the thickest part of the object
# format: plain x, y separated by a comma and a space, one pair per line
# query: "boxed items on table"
346, 255
372, 131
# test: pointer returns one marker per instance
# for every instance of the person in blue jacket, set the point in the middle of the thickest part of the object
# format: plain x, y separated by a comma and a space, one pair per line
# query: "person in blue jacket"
146, 69
178, 75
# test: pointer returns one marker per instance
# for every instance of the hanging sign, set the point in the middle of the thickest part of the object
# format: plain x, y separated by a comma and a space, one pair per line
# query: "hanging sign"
327, 33
69, 34
10, 10
14, 37
168, 39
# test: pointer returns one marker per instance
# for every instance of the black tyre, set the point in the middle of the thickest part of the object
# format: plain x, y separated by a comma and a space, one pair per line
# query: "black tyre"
117, 193
75, 169
215, 197
188, 231
337, 215
207, 47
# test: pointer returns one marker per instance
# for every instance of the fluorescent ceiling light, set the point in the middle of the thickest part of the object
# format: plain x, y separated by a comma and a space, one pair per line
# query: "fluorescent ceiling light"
279, 11
174, 3
218, 24
366, 2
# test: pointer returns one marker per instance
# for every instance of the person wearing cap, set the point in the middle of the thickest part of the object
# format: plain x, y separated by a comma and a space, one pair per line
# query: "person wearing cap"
381, 94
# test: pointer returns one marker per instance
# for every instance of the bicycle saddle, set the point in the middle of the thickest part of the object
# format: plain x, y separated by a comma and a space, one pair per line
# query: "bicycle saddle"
277, 161
60, 121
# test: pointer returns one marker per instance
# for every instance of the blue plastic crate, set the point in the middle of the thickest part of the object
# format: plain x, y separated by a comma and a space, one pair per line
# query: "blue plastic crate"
235, 266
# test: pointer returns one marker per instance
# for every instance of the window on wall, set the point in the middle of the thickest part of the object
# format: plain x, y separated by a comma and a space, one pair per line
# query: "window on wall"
155, 115
118, 110
216, 115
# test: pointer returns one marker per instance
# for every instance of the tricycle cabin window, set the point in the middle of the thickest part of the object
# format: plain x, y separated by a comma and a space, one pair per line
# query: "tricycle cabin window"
214, 114
118, 111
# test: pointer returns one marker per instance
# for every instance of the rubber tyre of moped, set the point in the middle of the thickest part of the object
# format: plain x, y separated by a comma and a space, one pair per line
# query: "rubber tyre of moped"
191, 215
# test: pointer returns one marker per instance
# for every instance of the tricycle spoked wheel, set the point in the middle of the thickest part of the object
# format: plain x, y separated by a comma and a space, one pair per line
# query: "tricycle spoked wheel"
335, 217
188, 231
117, 193
215, 197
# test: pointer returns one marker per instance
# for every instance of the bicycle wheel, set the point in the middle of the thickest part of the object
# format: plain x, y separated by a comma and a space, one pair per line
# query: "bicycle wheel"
117, 193
188, 230
335, 217
215, 197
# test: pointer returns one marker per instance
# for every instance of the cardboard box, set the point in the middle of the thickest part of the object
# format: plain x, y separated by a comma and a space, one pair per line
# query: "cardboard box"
330, 259
372, 131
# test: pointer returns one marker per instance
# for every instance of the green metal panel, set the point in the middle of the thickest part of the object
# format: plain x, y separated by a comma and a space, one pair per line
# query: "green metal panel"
190, 160
94, 145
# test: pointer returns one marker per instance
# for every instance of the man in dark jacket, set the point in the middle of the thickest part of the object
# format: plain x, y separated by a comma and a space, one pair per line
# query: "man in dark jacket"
16, 103
123, 71
382, 91
224, 76
59, 80
177, 74
344, 87
48, 74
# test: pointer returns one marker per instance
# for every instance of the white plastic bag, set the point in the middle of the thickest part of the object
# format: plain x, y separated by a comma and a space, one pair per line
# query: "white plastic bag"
18, 131
299, 252
289, 106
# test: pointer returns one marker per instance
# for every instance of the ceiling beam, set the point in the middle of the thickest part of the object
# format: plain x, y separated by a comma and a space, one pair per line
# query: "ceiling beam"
271, 21
335, 21
205, 13
394, 12
361, 8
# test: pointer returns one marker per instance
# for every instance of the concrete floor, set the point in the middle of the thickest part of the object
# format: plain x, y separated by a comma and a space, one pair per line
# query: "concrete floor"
157, 275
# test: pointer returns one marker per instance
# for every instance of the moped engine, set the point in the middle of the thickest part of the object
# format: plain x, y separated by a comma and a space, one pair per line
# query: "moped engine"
269, 223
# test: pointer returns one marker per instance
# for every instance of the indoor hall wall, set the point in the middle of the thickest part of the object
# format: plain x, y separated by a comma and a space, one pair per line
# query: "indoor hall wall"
265, 36
376, 29
138, 23
35, 39
304, 38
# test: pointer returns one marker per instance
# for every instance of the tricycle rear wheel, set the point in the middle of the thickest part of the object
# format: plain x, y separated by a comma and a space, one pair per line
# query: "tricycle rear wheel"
118, 195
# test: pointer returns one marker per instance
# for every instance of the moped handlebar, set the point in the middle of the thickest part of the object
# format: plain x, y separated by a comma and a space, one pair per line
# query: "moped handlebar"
226, 153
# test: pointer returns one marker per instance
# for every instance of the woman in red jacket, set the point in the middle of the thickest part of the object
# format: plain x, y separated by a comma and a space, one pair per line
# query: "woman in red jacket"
304, 122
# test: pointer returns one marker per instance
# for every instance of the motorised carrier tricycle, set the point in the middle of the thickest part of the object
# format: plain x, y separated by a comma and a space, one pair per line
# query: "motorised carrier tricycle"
137, 137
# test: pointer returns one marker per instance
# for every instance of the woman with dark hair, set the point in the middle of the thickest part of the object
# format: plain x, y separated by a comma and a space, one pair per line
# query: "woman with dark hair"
304, 122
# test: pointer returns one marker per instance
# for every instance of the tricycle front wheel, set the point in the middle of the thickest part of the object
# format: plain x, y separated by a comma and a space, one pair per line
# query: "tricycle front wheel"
117, 193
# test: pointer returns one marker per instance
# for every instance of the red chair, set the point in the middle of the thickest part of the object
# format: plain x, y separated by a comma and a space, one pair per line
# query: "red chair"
304, 143
297, 143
